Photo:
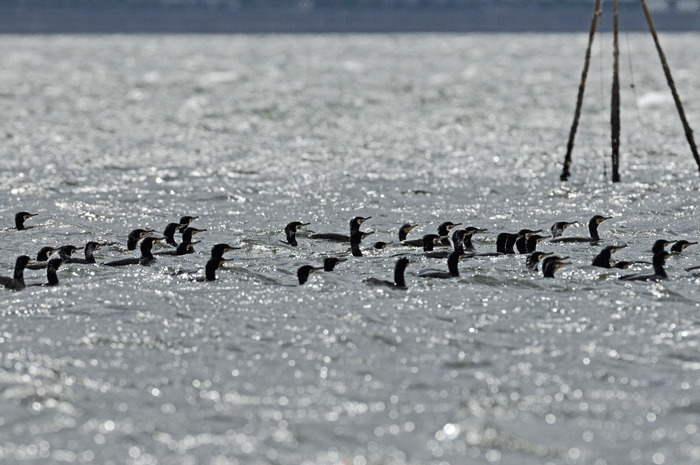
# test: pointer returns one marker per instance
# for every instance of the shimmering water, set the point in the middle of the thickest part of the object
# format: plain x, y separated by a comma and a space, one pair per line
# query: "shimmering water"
101, 135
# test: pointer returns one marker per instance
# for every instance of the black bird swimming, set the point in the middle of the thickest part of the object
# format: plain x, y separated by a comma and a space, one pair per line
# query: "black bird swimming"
146, 257
452, 266
42, 258
660, 245
291, 232
533, 260
457, 242
404, 230
304, 272
170, 231
65, 252
51, 275
89, 259
559, 227
658, 261
602, 260
355, 241
188, 232
528, 244
430, 241
184, 248
592, 229
186, 220
20, 218
354, 226
467, 238
512, 239
210, 268
552, 264
382, 245
680, 246
135, 236
501, 241
330, 262
399, 279
16, 283
219, 250
444, 230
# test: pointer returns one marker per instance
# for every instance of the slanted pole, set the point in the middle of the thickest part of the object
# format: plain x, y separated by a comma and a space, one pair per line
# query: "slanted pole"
669, 79
565, 173
615, 102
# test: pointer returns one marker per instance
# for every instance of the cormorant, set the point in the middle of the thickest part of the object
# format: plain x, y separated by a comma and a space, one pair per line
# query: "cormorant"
680, 246
429, 242
170, 231
42, 258
188, 232
186, 220
602, 260
452, 266
304, 272
552, 264
660, 245
444, 230
533, 260
291, 232
135, 236
355, 240
330, 262
467, 239
16, 283
51, 276
559, 227
20, 218
219, 250
404, 230
399, 280
457, 238
146, 257
89, 259
382, 245
66, 252
354, 226
210, 268
528, 244
185, 248
512, 239
658, 261
592, 229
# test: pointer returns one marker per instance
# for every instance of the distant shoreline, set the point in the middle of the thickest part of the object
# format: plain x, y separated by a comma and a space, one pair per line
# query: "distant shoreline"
289, 20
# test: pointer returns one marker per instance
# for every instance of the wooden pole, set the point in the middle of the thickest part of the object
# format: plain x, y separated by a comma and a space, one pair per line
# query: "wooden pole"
565, 173
615, 103
669, 79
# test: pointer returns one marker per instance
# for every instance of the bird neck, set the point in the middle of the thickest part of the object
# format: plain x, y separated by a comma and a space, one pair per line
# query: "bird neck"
659, 262
210, 269
603, 259
51, 275
291, 237
399, 279
356, 252
453, 266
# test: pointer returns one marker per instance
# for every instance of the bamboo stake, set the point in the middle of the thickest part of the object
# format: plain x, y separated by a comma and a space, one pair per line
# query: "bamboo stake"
669, 79
615, 103
581, 88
